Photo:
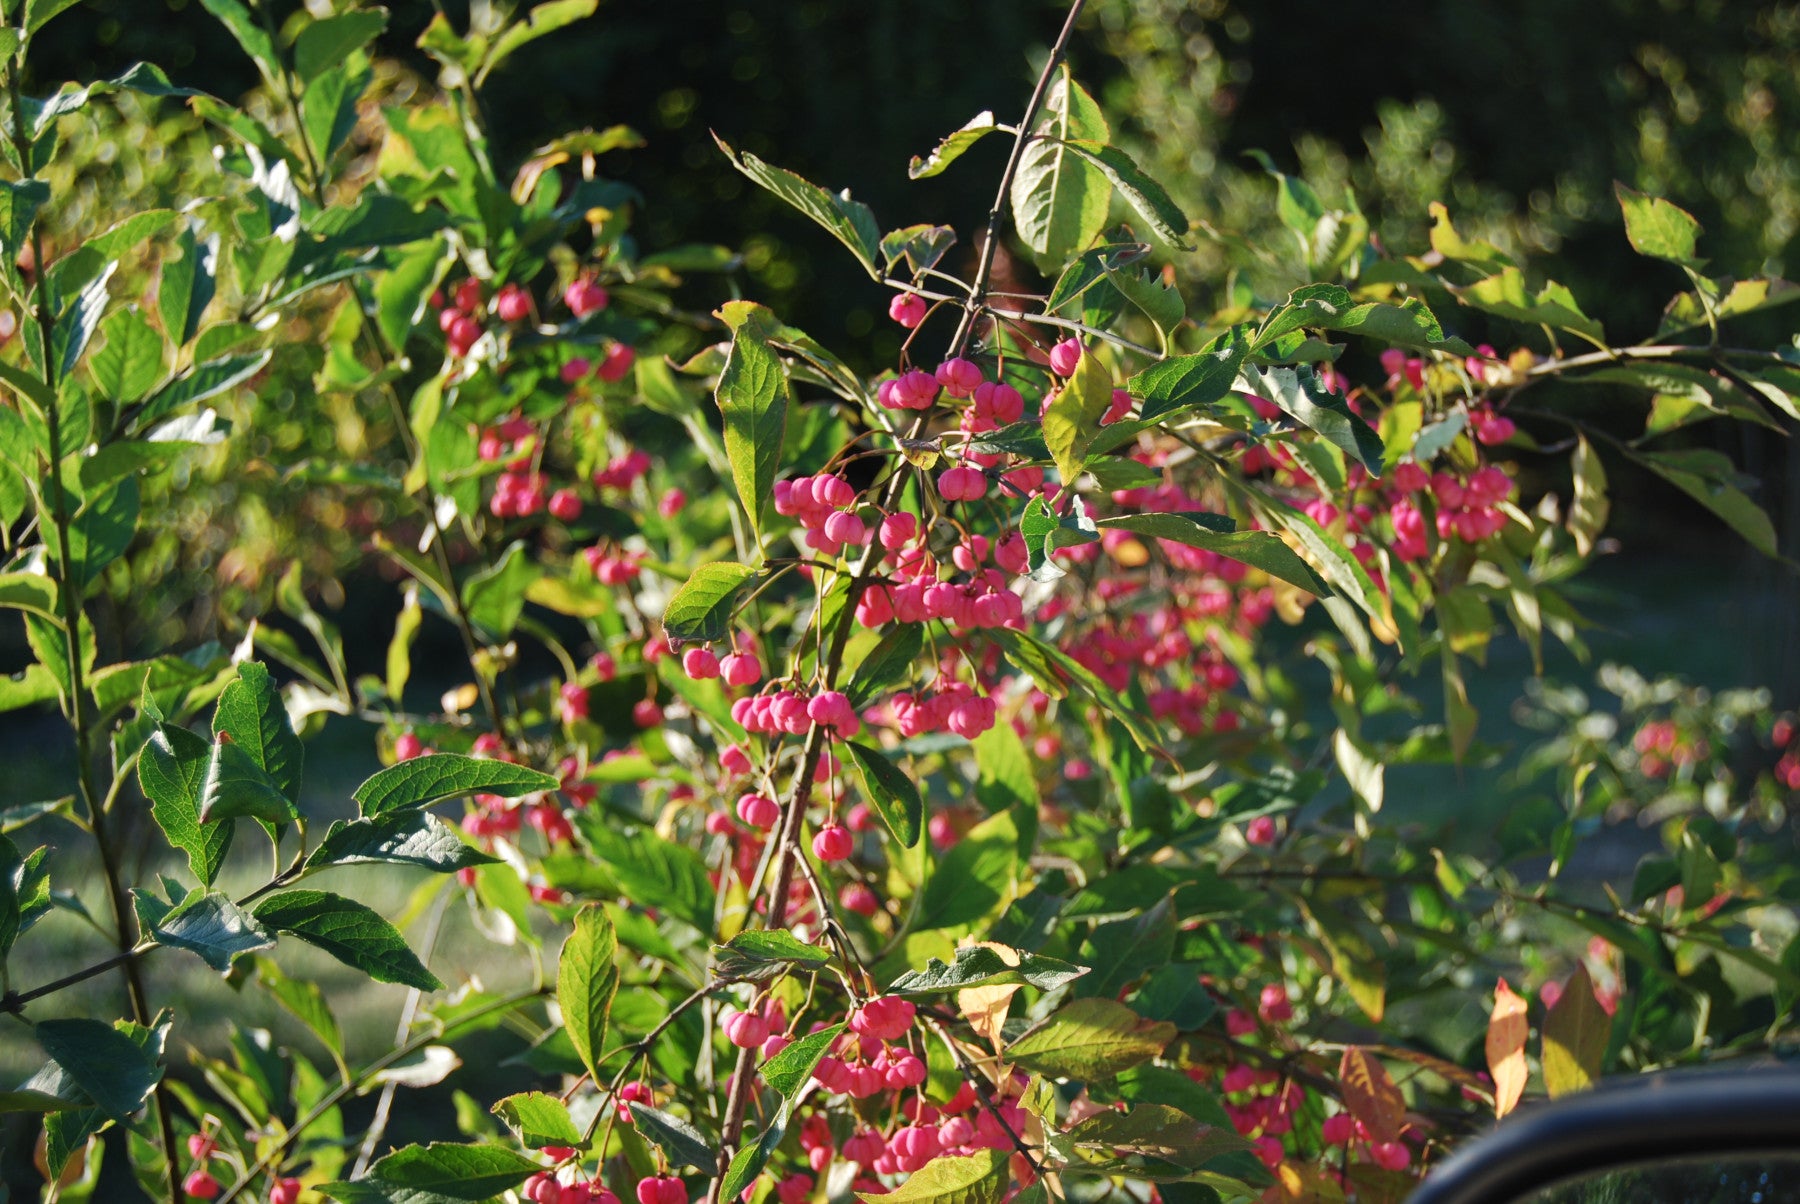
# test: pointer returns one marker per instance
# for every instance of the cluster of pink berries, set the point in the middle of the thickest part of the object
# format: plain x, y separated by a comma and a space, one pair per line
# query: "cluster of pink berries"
793, 713
736, 669
1659, 746
1466, 508
202, 1184
952, 707
822, 505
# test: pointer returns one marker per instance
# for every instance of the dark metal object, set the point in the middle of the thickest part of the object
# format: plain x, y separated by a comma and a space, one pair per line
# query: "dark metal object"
1653, 1118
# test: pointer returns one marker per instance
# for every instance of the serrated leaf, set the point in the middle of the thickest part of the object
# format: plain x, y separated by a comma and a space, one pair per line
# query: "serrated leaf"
1657, 228
762, 952
981, 966
979, 1178
1575, 1035
237, 787
753, 400
1259, 549
951, 148
895, 797
587, 977
681, 1143
701, 609
1150, 199
172, 773
887, 664
1127, 949
399, 838
251, 713
349, 931
117, 1073
750, 1159
849, 221
1300, 394
435, 777
1073, 415
211, 925
440, 1173
789, 1070
1059, 199
1090, 1040
1149, 1140
1160, 300
1370, 1094
326, 43
1188, 382
538, 1120
1706, 476
1504, 294
649, 867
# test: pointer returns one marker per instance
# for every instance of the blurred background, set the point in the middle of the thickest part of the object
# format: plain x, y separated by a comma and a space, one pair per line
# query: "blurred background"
1517, 114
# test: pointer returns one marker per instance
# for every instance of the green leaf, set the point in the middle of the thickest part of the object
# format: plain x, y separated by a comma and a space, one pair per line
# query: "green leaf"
789, 1070
1188, 382
753, 400
973, 878
209, 924
887, 664
587, 977
1575, 1035
1657, 228
1125, 950
541, 21
435, 777
1150, 199
1073, 415
12, 868
681, 1143
439, 1173
1505, 295
649, 867
130, 359
75, 329
305, 1000
250, 34
1707, 477
1300, 394
188, 283
980, 1178
1589, 508
539, 1120
1003, 773
701, 609
236, 786
251, 713
20, 201
980, 966
1259, 549
1090, 1040
324, 44
849, 221
750, 1159
1149, 1141
116, 1072
892, 792
1161, 301
38, 13
1053, 669
400, 838
495, 597
763, 953
1362, 769
172, 773
1045, 533
1059, 199
350, 932
205, 381
951, 148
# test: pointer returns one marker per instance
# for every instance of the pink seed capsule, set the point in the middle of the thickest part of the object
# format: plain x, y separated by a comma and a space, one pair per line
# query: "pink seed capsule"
908, 309
700, 664
832, 843
1064, 356
758, 811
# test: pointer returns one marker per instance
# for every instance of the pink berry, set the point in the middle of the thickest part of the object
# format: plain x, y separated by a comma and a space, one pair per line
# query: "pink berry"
201, 1146
746, 1030
616, 364
200, 1184
671, 503
700, 664
1064, 356
573, 370
832, 843
740, 669
463, 334
565, 504
647, 713
860, 899
286, 1191
1390, 1155
584, 297
960, 377
513, 304
908, 309
1260, 831
759, 811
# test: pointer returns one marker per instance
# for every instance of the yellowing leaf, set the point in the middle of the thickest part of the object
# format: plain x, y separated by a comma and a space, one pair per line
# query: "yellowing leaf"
985, 1007
1371, 1095
1507, 1029
1574, 1039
